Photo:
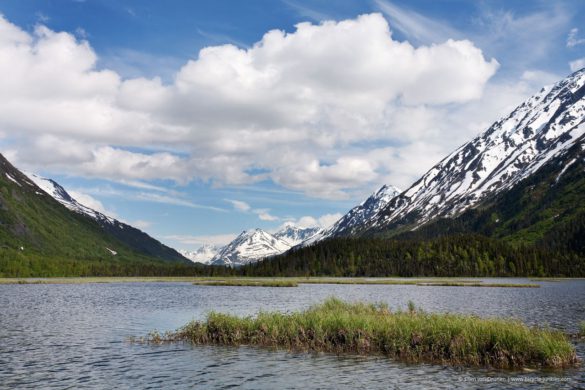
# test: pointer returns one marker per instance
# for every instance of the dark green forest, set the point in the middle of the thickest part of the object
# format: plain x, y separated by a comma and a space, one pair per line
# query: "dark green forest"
457, 255
15, 264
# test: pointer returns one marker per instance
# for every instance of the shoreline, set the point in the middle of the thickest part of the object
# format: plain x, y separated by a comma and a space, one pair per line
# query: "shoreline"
285, 281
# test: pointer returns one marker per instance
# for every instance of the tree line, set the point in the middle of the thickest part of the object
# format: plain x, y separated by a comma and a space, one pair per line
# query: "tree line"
455, 255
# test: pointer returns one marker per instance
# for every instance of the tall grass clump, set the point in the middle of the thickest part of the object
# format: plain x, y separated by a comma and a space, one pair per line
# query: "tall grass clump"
414, 335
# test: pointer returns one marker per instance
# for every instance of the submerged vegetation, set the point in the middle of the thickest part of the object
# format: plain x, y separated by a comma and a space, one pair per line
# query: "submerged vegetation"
339, 327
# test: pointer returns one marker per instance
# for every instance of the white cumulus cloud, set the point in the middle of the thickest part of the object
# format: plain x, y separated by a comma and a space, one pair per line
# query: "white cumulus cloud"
296, 108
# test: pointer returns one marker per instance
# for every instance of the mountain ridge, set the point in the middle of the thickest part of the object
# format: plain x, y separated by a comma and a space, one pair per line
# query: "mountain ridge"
202, 255
256, 244
357, 216
510, 150
47, 220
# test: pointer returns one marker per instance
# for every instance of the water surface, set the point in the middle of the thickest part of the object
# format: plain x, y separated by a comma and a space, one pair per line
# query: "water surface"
75, 336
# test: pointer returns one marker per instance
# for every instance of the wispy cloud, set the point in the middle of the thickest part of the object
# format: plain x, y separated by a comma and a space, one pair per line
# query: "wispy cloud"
239, 205
263, 214
131, 12
42, 18
145, 196
218, 38
307, 12
416, 26
142, 185
165, 199
521, 40
573, 40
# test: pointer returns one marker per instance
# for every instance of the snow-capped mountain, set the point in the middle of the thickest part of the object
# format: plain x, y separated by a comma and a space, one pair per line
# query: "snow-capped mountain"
202, 255
250, 246
357, 217
59, 193
124, 233
510, 150
294, 235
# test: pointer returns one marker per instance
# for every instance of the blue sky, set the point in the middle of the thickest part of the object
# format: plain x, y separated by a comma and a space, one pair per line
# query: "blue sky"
195, 120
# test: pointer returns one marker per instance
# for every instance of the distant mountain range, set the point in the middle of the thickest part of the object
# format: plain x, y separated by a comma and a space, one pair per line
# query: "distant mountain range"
539, 133
202, 255
254, 245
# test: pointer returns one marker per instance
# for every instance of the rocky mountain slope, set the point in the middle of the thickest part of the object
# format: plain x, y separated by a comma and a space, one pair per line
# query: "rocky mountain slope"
358, 217
511, 150
546, 210
295, 235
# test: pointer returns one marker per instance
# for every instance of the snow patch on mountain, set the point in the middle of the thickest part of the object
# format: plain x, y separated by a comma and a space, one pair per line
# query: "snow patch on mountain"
57, 192
294, 235
202, 255
358, 216
13, 180
249, 247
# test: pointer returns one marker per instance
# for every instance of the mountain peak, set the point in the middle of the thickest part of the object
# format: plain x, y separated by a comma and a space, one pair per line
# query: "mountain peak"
56, 191
250, 246
202, 255
294, 234
513, 148
359, 215
386, 192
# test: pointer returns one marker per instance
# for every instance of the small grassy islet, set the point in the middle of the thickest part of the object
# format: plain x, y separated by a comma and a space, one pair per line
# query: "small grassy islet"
340, 327
247, 283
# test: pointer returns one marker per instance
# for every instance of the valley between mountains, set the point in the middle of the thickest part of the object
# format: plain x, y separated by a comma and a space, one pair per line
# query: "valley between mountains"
509, 202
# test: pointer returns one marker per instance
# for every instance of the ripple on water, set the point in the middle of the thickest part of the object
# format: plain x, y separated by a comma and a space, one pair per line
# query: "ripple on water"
60, 336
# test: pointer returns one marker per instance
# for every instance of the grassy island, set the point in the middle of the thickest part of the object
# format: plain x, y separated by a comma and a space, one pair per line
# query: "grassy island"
339, 327
248, 283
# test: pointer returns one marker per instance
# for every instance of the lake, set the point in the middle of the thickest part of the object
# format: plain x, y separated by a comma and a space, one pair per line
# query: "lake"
76, 336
